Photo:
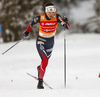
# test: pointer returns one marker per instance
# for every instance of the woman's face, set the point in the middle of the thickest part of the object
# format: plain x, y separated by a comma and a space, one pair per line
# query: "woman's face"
50, 14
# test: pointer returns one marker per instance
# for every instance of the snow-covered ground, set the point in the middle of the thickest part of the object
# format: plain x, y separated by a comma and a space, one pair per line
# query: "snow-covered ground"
83, 62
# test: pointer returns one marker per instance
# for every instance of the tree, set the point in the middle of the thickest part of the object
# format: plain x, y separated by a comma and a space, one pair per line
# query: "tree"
15, 17
97, 7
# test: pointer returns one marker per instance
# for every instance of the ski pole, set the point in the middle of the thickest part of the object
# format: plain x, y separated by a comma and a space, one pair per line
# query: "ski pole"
64, 59
64, 55
12, 46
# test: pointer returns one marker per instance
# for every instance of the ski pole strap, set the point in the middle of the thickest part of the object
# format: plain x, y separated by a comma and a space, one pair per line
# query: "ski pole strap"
12, 46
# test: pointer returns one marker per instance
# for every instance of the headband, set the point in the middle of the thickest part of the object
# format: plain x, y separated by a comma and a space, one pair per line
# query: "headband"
50, 9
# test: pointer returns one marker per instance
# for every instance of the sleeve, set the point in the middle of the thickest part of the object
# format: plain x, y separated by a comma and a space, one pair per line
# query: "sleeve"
60, 20
33, 22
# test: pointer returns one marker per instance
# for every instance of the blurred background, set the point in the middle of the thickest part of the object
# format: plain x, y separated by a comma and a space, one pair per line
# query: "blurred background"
15, 15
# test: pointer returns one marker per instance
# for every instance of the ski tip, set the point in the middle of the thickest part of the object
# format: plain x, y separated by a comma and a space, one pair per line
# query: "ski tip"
2, 53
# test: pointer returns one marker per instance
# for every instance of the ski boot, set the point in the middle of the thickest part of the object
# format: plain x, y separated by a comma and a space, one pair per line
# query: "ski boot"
40, 84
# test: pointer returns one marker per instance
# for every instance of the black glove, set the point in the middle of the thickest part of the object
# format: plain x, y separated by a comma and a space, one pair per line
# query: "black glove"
26, 33
65, 19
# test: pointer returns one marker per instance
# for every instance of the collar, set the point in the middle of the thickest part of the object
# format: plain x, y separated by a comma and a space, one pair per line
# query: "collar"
47, 17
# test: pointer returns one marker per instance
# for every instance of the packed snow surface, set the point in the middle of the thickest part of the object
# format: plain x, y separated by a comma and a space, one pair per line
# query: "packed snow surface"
83, 68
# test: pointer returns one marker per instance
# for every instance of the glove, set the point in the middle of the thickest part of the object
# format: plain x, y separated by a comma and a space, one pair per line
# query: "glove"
26, 33
65, 19
66, 22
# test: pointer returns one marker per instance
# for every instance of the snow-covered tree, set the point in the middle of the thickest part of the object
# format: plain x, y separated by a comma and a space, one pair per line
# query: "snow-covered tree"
97, 7
16, 15
92, 24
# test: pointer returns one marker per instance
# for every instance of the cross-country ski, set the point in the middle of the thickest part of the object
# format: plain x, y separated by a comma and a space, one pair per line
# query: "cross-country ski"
38, 79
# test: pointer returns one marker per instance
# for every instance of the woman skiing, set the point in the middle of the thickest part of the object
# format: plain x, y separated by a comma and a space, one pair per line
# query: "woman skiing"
45, 40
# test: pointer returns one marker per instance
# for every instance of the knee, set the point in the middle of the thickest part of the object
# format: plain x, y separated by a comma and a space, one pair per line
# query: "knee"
44, 63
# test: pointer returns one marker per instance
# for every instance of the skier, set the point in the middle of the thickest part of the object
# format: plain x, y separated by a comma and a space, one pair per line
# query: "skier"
45, 40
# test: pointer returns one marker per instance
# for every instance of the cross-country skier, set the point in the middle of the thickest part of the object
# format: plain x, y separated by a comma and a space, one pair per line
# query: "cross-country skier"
45, 40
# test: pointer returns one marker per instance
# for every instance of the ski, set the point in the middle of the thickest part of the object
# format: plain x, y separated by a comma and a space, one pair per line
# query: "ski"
37, 79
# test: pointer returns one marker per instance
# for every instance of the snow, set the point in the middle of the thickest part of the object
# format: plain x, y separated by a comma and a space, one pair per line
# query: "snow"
7, 31
83, 59
8, 4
